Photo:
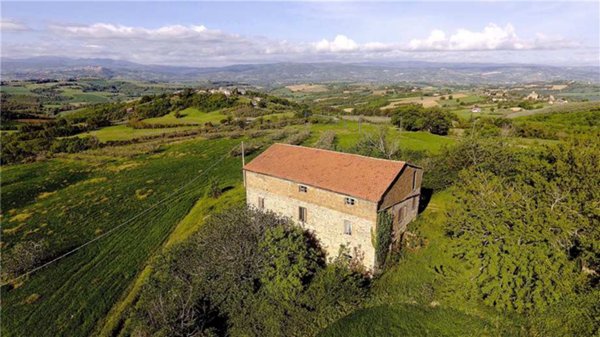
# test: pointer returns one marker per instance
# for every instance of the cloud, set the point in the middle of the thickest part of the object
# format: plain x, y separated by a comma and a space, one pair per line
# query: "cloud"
10, 25
198, 45
493, 37
111, 31
341, 43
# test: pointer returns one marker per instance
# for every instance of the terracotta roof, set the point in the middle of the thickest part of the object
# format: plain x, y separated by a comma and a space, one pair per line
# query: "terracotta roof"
353, 175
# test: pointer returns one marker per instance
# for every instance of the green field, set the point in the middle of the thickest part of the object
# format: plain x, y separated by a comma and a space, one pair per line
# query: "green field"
124, 132
105, 192
348, 134
189, 115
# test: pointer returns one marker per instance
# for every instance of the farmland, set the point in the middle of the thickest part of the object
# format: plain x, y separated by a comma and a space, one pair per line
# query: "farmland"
123, 191
113, 191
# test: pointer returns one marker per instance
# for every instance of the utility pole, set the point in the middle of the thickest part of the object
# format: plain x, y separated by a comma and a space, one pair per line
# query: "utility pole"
243, 163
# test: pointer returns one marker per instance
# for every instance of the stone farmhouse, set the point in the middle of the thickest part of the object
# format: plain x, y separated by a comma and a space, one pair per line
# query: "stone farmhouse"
336, 195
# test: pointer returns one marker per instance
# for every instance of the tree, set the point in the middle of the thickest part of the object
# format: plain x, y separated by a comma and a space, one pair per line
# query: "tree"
437, 121
409, 118
416, 118
293, 258
378, 144
528, 238
246, 273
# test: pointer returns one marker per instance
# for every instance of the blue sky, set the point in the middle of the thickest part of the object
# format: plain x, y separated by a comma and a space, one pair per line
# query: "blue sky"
221, 33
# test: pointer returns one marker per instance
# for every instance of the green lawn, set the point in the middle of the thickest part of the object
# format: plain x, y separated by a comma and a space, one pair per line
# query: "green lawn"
124, 132
189, 115
74, 294
408, 320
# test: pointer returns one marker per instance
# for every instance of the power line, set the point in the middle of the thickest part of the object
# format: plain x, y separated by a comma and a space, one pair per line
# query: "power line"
112, 230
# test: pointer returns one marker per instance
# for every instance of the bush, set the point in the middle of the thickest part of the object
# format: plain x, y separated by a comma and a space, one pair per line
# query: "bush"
326, 141
23, 257
298, 138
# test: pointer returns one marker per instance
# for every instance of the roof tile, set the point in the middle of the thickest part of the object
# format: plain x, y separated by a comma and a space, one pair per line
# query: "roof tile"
353, 175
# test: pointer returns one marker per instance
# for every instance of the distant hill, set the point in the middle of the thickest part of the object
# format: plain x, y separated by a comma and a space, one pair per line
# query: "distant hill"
275, 74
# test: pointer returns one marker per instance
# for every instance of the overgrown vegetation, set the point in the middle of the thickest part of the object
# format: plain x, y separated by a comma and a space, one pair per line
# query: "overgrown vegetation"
529, 233
247, 273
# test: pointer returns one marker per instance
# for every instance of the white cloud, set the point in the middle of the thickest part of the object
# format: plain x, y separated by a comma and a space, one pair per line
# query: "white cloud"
110, 31
201, 46
341, 43
10, 25
493, 37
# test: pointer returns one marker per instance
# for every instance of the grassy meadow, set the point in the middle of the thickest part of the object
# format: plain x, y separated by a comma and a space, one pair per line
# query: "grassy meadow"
103, 193
189, 115
125, 132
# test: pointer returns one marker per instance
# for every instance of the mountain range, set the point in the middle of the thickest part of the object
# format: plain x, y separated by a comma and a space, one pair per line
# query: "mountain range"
276, 74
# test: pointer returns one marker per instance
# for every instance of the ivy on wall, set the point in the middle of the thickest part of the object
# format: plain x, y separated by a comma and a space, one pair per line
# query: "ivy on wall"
383, 238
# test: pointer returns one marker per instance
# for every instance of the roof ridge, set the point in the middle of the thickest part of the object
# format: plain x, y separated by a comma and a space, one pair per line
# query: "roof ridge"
343, 153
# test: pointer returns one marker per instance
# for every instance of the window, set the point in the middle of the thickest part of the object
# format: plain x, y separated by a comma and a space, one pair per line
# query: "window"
302, 188
302, 214
414, 203
261, 202
347, 227
414, 180
350, 201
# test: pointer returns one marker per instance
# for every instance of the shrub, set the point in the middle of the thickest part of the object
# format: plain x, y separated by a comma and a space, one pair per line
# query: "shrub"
326, 141
23, 257
298, 138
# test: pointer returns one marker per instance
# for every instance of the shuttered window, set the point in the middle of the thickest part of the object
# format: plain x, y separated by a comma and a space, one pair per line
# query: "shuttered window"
414, 180
302, 214
347, 227
261, 202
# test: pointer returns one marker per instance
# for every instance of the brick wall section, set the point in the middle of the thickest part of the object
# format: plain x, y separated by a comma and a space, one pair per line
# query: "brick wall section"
326, 213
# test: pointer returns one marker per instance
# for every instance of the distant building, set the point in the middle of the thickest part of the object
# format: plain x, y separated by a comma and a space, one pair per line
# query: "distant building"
533, 96
561, 101
516, 109
336, 195
475, 109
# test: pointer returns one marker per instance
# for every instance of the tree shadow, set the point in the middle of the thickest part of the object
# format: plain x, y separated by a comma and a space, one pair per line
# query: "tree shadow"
227, 188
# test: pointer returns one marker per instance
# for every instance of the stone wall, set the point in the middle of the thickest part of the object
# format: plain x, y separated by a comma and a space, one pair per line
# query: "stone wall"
402, 188
326, 213
403, 213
